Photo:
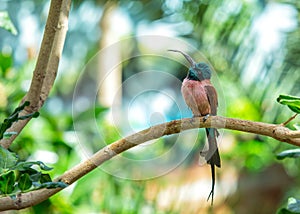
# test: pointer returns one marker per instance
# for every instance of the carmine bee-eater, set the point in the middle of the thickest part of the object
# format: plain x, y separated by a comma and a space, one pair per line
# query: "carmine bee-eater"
201, 97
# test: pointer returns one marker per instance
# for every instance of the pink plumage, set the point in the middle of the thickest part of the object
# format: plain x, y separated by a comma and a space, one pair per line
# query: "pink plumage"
195, 97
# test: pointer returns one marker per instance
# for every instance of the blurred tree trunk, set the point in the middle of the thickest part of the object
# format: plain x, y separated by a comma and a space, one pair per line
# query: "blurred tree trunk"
266, 189
109, 69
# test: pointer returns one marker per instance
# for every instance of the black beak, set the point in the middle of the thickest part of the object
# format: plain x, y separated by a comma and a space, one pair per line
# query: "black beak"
188, 58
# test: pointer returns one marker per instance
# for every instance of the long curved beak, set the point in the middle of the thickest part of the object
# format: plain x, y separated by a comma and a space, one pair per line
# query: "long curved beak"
188, 58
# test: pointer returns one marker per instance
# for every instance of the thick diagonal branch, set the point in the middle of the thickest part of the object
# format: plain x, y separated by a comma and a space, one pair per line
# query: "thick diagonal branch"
47, 63
277, 132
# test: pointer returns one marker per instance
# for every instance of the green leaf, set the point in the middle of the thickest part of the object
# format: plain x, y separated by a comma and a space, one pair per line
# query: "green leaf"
14, 117
291, 153
7, 158
35, 177
7, 182
24, 182
6, 23
43, 166
23, 166
287, 97
9, 134
293, 205
51, 185
292, 102
45, 178
21, 107
33, 115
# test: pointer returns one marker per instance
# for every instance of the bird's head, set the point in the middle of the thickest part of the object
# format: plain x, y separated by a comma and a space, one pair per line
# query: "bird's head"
197, 71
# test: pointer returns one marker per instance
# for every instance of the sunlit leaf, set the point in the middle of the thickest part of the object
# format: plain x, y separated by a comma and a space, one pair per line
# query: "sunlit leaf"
6, 23
292, 102
7, 158
24, 182
291, 153
7, 182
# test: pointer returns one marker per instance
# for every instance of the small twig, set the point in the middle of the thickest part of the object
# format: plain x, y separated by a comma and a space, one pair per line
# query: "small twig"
289, 120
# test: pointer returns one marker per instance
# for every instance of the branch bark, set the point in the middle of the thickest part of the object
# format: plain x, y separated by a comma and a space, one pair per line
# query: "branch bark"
277, 132
47, 63
42, 82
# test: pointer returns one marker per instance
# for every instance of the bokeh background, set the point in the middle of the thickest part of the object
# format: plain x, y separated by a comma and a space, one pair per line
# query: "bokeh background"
254, 48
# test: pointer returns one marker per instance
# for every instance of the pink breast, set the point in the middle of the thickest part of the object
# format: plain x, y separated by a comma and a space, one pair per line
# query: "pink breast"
195, 97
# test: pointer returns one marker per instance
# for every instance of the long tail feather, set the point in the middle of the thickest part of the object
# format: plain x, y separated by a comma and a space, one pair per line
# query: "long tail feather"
213, 157
212, 184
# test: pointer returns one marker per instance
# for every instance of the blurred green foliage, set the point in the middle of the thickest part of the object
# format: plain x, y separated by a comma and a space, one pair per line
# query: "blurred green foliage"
17, 176
251, 79
5, 22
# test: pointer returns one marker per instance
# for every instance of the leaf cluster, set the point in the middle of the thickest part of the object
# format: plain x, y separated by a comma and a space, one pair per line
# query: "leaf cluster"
293, 102
16, 177
14, 117
293, 204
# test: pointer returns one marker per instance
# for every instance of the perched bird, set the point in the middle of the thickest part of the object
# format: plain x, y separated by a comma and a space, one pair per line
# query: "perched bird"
201, 97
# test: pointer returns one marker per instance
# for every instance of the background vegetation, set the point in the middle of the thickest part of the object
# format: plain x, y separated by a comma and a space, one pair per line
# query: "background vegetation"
254, 48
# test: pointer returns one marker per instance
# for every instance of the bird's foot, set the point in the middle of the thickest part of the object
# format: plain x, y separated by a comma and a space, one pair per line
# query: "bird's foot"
206, 117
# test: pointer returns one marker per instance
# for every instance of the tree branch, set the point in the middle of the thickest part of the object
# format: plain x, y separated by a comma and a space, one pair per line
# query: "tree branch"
47, 63
42, 82
277, 132
294, 134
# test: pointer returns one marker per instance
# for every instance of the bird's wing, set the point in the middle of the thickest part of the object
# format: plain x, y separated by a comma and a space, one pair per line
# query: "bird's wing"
212, 98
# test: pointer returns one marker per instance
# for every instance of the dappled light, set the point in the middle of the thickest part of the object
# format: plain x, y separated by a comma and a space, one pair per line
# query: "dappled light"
104, 80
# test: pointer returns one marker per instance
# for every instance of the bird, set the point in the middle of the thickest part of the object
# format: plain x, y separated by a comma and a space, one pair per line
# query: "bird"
201, 97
